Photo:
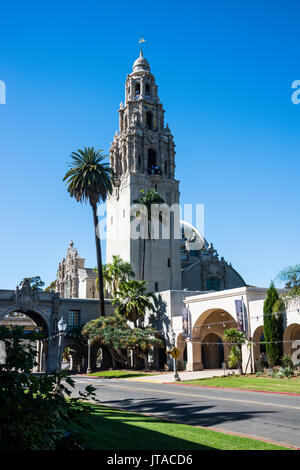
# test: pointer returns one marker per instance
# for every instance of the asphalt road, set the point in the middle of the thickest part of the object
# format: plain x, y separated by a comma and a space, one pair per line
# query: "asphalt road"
272, 417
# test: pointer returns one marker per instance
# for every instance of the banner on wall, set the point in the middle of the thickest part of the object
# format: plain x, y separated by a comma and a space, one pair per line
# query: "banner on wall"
186, 322
239, 309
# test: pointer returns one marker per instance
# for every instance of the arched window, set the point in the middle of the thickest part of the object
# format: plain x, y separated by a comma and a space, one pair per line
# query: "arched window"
151, 159
149, 120
148, 89
137, 88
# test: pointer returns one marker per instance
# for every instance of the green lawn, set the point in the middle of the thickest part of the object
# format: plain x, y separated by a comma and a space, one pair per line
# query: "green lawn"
255, 383
120, 430
119, 374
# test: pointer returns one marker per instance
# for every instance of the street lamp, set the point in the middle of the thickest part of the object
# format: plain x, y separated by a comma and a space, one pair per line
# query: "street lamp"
176, 377
62, 325
89, 370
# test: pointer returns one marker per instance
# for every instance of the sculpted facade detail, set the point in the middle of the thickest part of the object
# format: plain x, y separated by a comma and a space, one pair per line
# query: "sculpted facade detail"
73, 279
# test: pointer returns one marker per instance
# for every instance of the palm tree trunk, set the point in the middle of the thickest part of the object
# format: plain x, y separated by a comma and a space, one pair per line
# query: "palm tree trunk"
99, 262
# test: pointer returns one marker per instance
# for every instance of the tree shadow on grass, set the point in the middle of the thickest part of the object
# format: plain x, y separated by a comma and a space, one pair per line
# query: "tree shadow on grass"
117, 430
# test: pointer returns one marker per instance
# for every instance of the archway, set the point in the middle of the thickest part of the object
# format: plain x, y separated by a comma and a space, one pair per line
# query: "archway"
291, 333
151, 159
211, 322
100, 357
212, 351
30, 320
259, 348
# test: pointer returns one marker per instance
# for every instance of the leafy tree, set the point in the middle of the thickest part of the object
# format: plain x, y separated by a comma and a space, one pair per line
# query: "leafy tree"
90, 179
51, 287
115, 333
291, 277
273, 325
237, 338
35, 282
34, 413
116, 272
147, 200
132, 300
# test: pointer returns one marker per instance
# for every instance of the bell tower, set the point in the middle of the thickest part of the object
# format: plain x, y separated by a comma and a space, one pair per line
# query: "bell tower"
143, 156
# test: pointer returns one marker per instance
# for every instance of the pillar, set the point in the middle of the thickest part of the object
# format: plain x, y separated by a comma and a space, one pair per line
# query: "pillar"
194, 355
247, 361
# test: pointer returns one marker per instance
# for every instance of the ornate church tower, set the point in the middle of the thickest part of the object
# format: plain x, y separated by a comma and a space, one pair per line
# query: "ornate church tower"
143, 156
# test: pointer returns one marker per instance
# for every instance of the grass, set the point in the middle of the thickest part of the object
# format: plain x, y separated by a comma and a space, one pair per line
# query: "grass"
121, 430
119, 374
249, 382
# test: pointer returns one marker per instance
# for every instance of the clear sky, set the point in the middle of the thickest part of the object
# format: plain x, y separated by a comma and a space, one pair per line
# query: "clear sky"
224, 71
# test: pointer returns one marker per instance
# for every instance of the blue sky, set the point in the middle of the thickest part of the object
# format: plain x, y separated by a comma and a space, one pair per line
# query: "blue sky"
224, 71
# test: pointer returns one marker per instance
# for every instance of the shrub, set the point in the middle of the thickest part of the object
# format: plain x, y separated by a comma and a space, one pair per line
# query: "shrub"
34, 413
286, 371
287, 361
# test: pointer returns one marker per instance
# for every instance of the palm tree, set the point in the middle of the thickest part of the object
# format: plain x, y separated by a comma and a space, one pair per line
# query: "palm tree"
116, 272
132, 300
147, 199
90, 179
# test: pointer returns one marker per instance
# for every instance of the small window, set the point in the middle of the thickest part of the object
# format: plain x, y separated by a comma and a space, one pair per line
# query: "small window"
156, 287
74, 318
148, 89
155, 187
137, 89
166, 167
139, 162
212, 284
123, 212
169, 262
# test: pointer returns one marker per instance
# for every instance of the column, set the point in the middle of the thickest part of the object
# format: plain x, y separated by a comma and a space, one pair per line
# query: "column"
194, 355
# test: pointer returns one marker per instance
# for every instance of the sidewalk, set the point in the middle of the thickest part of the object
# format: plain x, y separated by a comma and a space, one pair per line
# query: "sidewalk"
200, 374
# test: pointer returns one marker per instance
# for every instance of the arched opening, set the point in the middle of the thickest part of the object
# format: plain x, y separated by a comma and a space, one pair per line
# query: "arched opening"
162, 356
212, 351
149, 120
137, 89
73, 356
291, 333
209, 328
31, 321
151, 159
259, 349
100, 357
148, 90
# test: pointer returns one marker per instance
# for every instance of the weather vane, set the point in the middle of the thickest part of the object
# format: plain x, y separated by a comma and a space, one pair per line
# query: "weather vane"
141, 41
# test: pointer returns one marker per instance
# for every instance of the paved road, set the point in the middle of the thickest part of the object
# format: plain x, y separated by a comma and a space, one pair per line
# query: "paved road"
266, 416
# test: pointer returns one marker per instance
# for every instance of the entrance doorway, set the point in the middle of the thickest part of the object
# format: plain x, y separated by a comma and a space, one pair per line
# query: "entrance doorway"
212, 352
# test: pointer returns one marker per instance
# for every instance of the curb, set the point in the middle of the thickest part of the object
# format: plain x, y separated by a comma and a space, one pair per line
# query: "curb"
232, 388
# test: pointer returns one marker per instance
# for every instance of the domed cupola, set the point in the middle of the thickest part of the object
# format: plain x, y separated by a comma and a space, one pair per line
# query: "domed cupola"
141, 64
